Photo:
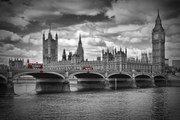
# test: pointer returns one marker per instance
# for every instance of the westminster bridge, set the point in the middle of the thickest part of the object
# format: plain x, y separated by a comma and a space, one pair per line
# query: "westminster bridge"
112, 78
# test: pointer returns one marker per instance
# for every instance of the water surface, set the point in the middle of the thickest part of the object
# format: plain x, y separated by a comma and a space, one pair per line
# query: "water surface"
126, 104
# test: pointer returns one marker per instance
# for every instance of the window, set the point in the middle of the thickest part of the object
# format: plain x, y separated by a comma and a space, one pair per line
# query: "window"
46, 51
52, 51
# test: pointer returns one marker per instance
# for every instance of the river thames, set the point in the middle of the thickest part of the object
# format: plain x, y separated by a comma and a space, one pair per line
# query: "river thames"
161, 103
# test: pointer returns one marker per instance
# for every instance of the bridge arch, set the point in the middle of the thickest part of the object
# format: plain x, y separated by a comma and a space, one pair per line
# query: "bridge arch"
160, 76
46, 82
143, 80
40, 75
3, 79
3, 84
119, 75
144, 74
89, 80
120, 80
160, 80
87, 75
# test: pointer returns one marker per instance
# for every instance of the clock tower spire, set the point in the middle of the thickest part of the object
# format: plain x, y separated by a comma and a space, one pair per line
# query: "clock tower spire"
158, 46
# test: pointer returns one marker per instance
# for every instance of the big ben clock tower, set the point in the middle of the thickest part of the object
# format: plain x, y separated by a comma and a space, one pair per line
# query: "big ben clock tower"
158, 46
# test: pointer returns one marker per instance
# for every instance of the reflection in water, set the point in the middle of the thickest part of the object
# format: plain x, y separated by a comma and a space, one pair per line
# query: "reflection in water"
131, 104
25, 88
159, 104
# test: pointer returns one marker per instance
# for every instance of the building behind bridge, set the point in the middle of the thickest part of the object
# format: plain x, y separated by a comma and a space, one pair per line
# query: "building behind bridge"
3, 67
111, 60
16, 63
176, 64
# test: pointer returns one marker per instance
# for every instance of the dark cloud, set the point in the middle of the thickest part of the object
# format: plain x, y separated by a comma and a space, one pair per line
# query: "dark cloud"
8, 40
23, 19
70, 19
171, 4
9, 27
6, 1
143, 11
173, 13
116, 23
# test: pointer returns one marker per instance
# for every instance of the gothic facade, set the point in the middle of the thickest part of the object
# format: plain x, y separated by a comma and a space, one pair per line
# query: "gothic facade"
16, 63
158, 46
111, 61
79, 54
118, 60
50, 49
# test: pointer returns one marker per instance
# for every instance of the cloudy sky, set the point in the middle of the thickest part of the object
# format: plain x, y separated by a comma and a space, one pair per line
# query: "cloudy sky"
102, 23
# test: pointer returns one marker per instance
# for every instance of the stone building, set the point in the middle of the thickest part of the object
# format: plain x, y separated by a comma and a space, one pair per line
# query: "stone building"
16, 63
64, 55
3, 67
79, 54
50, 48
118, 60
158, 46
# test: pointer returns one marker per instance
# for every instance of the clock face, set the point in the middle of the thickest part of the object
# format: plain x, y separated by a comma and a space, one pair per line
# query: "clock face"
156, 36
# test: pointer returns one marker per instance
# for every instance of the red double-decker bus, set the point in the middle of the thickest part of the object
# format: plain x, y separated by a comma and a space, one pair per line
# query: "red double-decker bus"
86, 68
34, 66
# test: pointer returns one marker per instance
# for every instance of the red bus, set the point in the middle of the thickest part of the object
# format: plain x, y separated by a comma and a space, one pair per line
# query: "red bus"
34, 66
86, 68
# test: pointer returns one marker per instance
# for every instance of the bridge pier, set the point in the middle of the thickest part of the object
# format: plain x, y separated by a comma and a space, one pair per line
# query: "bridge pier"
66, 75
67, 83
133, 81
153, 83
9, 85
10, 88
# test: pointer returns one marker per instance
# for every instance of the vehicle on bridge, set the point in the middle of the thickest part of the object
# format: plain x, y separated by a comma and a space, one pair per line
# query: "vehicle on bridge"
34, 66
86, 68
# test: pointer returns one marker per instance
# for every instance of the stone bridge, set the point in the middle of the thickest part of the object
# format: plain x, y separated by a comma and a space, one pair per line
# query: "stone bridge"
134, 78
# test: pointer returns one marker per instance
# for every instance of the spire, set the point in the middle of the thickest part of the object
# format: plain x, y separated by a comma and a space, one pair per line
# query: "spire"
158, 19
49, 35
158, 25
27, 60
102, 51
136, 58
80, 39
64, 55
56, 36
64, 51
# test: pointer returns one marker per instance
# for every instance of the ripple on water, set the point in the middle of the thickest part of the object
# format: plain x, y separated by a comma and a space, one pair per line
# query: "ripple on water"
132, 104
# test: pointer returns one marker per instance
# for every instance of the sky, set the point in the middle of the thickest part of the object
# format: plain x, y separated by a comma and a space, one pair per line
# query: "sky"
102, 24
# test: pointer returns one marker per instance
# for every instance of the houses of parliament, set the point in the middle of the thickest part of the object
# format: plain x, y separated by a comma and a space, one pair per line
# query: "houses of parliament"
116, 60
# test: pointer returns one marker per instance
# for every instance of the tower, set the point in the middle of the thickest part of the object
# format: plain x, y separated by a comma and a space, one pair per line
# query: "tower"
70, 56
27, 61
158, 46
50, 48
80, 51
16, 63
144, 58
64, 55
150, 58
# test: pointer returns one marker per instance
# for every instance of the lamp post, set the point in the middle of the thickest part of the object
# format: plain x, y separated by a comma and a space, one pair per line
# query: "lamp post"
115, 84
133, 78
153, 84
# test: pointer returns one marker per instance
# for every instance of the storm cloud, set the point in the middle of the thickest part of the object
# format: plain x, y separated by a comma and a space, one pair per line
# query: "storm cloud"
102, 23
